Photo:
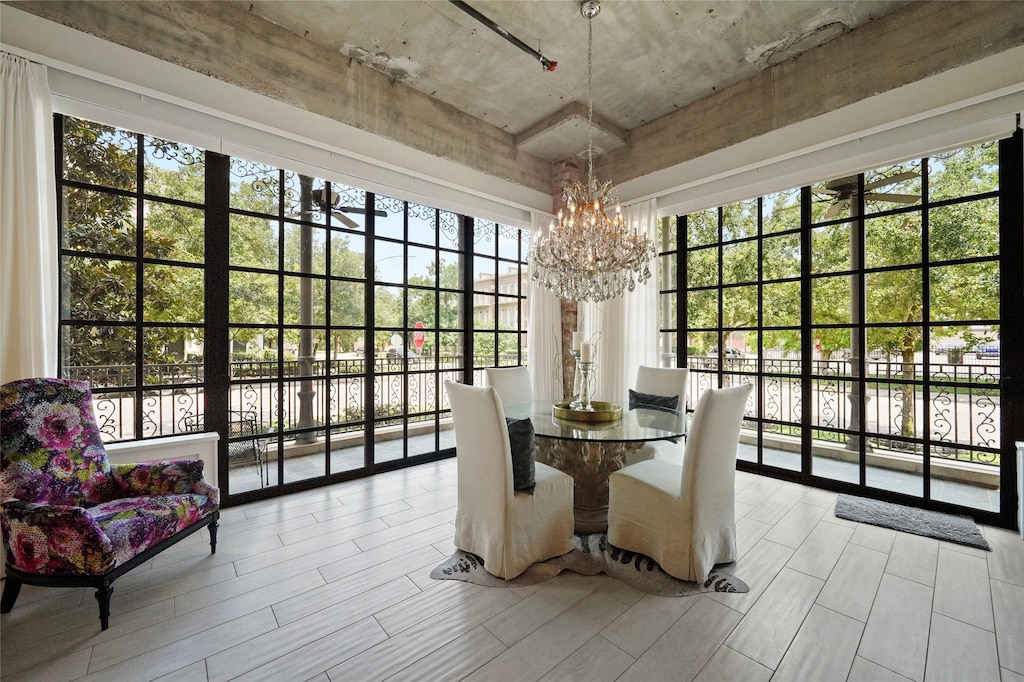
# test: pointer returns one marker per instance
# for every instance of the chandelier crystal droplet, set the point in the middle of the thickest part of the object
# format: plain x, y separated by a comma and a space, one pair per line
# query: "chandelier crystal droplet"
589, 255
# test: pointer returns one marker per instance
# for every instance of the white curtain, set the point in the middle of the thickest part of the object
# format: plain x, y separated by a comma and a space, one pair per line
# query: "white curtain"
625, 329
28, 224
641, 312
544, 327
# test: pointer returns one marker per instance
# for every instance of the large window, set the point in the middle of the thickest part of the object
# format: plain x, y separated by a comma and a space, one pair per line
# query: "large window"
310, 323
499, 295
132, 289
868, 313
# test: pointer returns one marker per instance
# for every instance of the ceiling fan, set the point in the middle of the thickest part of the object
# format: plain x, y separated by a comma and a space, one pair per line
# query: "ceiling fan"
845, 189
337, 211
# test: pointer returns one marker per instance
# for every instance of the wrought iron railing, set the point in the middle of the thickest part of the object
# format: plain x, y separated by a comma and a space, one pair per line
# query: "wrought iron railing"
172, 395
961, 404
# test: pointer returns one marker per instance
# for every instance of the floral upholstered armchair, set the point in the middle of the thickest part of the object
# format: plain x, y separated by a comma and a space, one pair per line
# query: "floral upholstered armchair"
69, 517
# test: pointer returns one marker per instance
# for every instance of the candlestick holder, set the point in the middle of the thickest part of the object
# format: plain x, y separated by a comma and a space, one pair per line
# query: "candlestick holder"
577, 380
586, 369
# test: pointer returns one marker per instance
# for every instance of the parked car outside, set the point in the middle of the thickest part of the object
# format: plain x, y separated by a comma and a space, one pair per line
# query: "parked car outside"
730, 352
395, 355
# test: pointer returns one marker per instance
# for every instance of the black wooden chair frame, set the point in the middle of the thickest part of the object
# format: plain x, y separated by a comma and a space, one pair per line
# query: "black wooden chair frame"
103, 583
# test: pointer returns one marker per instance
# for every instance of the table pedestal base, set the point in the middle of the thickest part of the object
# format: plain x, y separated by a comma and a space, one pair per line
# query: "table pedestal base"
590, 463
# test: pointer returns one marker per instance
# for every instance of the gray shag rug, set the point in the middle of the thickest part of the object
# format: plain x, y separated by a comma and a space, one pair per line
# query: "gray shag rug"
959, 529
592, 554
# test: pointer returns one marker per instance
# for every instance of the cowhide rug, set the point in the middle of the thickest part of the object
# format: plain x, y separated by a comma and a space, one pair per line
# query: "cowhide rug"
593, 554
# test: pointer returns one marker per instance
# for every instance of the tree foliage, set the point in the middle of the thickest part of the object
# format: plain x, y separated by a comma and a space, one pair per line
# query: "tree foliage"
899, 253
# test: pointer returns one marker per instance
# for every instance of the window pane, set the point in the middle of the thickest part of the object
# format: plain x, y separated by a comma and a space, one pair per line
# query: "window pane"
965, 292
781, 257
175, 170
253, 298
739, 220
894, 296
893, 240
781, 304
964, 172
830, 248
739, 262
99, 154
347, 304
253, 242
702, 228
174, 232
422, 225
305, 248
702, 268
892, 187
255, 187
98, 289
781, 211
98, 222
830, 300
964, 230
702, 309
172, 294
388, 261
347, 255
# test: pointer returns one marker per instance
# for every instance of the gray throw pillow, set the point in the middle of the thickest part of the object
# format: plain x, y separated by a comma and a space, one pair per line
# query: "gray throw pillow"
521, 437
654, 402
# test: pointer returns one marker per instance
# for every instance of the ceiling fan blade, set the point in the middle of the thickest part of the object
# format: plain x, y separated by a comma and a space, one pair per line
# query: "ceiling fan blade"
896, 198
344, 219
892, 179
352, 209
835, 209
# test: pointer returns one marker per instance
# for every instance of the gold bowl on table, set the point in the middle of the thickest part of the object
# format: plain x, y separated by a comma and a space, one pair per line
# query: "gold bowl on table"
603, 412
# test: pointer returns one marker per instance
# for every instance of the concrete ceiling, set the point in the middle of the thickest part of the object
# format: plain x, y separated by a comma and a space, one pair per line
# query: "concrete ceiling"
650, 57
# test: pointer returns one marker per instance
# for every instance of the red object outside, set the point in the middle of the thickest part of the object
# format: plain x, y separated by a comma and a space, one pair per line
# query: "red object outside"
418, 337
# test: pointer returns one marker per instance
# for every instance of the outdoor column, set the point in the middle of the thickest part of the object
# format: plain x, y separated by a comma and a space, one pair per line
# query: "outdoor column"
305, 356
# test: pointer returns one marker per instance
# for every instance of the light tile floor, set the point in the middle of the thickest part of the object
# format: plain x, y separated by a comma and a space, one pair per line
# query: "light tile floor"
332, 584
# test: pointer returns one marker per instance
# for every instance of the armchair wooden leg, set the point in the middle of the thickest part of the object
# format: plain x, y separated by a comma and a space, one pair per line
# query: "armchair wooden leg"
12, 587
214, 525
103, 597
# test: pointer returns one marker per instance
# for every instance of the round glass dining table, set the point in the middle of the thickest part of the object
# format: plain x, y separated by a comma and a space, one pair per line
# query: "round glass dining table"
591, 451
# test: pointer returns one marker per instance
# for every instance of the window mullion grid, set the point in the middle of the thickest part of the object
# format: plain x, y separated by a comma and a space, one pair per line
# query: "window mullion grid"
682, 290
282, 178
860, 328
926, 328
140, 355
369, 332
758, 378
468, 264
1011, 356
720, 360
806, 335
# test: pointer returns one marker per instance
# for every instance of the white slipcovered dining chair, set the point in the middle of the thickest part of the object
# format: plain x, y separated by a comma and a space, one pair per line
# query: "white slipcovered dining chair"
508, 529
683, 516
511, 383
665, 381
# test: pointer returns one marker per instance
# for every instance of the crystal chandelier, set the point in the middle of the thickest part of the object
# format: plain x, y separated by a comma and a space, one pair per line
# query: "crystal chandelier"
589, 255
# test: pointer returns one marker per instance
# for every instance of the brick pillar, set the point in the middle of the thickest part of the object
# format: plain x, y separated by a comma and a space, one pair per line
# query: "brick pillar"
564, 172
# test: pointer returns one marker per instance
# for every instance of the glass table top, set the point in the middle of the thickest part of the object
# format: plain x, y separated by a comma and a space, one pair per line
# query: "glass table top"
640, 424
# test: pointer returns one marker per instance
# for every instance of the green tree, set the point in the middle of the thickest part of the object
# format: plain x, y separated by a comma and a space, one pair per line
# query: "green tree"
101, 286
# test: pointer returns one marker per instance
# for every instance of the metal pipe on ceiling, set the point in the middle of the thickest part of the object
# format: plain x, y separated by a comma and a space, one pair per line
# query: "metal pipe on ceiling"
544, 61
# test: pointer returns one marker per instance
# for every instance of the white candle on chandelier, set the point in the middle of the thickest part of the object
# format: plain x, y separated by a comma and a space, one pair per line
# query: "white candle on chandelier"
587, 352
577, 339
